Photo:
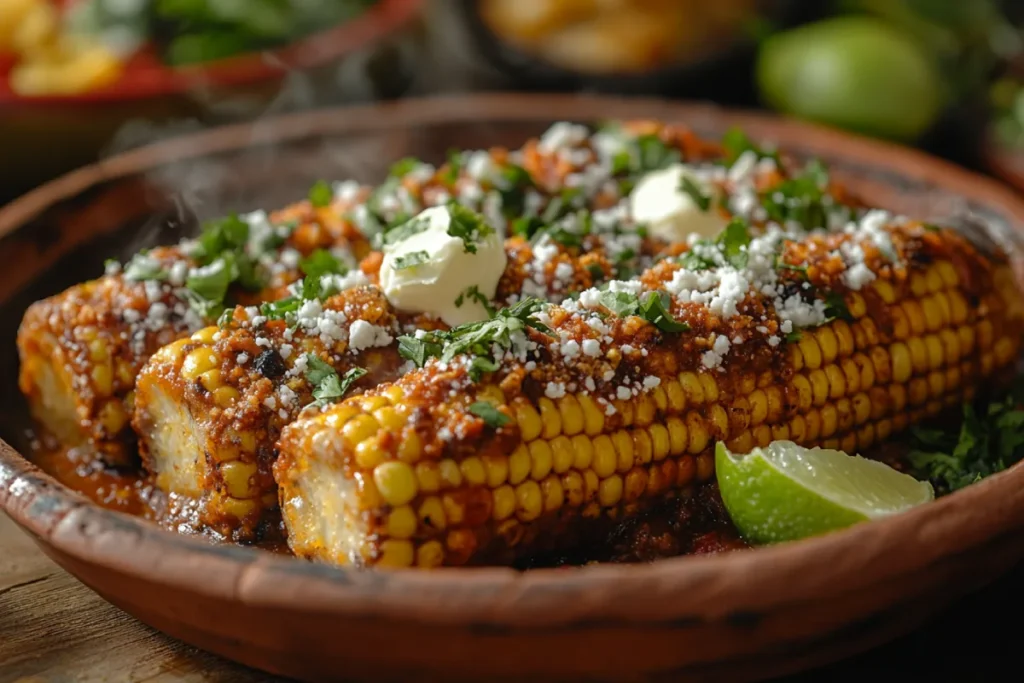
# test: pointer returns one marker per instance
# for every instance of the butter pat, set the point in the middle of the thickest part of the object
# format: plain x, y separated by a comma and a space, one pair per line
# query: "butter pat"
670, 213
437, 262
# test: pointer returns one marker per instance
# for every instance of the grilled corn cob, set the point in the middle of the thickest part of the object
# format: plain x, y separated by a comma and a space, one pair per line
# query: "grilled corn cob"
602, 407
82, 349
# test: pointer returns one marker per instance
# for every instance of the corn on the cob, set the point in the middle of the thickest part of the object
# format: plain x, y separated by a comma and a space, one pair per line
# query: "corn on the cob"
436, 469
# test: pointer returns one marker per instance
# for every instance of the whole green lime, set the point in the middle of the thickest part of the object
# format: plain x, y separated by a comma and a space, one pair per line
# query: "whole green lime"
853, 72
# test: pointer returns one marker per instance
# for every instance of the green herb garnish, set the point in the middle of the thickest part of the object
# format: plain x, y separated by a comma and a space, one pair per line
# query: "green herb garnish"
702, 200
411, 260
480, 365
322, 262
734, 240
321, 194
468, 226
419, 350
475, 294
652, 307
403, 167
735, 142
142, 267
491, 416
327, 385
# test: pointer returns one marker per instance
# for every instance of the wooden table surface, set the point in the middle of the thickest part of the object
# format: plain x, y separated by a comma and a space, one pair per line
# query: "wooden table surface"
55, 630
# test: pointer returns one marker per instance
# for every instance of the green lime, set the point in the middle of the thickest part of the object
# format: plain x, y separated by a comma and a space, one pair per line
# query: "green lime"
853, 72
787, 492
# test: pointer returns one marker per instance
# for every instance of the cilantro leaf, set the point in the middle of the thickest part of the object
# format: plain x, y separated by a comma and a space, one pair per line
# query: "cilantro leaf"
734, 240
211, 282
230, 233
402, 167
491, 416
327, 386
475, 294
419, 350
411, 260
321, 262
143, 267
654, 308
480, 365
321, 194
735, 142
621, 304
835, 307
478, 337
468, 226
703, 201
513, 181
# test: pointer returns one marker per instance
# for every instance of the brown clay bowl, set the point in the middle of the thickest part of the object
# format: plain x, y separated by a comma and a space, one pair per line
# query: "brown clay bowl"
743, 616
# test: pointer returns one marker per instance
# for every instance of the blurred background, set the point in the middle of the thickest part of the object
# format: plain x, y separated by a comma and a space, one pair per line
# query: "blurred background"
83, 79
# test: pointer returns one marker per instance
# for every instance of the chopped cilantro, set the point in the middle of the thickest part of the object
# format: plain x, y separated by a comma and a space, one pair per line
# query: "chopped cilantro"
480, 365
321, 194
403, 231
527, 227
403, 167
226, 234
800, 199
478, 337
703, 201
143, 267
654, 308
451, 173
595, 270
691, 260
794, 336
226, 318
411, 260
650, 153
419, 350
211, 282
734, 240
513, 181
468, 226
475, 294
322, 262
491, 416
562, 205
735, 142
835, 307
327, 386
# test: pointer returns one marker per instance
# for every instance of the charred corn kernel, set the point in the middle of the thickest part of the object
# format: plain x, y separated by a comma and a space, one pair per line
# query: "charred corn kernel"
867, 370
741, 443
428, 477
102, 379
675, 395
709, 387
861, 408
572, 484
851, 374
780, 432
677, 437
719, 420
692, 388
528, 419
591, 484
661, 444
562, 454
552, 493
113, 417
454, 510
610, 491
550, 418
572, 415
461, 544
634, 484
360, 428
623, 444
644, 410
698, 433
431, 513
390, 419
410, 447
395, 553
402, 522
801, 391
238, 508
758, 407
473, 471
593, 415
796, 358
605, 458
798, 429
225, 397
451, 475
625, 411
656, 481
540, 459
897, 397
519, 464
529, 501
936, 384
902, 365
504, 503
900, 324
811, 351
918, 284
197, 362
660, 398
812, 420
856, 305
238, 478
844, 411
396, 482
762, 435
583, 452
984, 334
430, 555
706, 465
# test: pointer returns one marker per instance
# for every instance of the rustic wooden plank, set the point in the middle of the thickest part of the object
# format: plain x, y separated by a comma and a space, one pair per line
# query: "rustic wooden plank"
55, 630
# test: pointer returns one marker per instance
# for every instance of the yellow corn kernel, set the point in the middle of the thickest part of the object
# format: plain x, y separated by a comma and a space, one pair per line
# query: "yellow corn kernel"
933, 351
796, 359
706, 464
900, 324
473, 471
933, 319
661, 443
519, 464
692, 387
401, 522
431, 514
675, 395
645, 410
504, 503
124, 371
552, 493
844, 338
918, 284
410, 448
528, 419
338, 417
112, 417
572, 484
395, 553
451, 475
801, 393
623, 443
851, 374
550, 418
583, 450
454, 510
762, 435
677, 437
430, 555
984, 334
205, 335
371, 404
660, 398
102, 379
885, 291
572, 415
98, 351
634, 484
811, 351
856, 305
428, 477
396, 482
936, 384
610, 491
741, 443
237, 476
390, 419
844, 410
958, 309
493, 394
698, 433
593, 415
395, 394
947, 272
605, 459
861, 408
462, 543
225, 397
591, 484
898, 397
780, 432
369, 454
798, 429
562, 454
709, 387
529, 501
367, 494
758, 406
813, 425
197, 362
966, 336
828, 344
540, 459
934, 279
902, 366
238, 508
495, 469
360, 428
625, 411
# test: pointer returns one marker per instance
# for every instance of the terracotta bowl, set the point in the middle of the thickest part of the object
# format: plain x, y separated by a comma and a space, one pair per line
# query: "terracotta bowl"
743, 616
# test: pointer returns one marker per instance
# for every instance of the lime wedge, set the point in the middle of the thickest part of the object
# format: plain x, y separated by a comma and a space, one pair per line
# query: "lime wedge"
787, 492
